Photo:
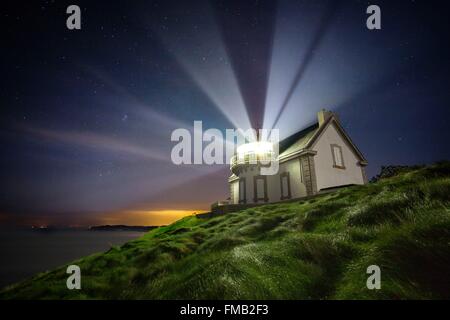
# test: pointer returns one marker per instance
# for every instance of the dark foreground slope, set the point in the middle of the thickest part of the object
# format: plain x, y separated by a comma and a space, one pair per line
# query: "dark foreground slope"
314, 249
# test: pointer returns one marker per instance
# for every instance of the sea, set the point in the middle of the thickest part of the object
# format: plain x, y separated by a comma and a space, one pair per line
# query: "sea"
25, 253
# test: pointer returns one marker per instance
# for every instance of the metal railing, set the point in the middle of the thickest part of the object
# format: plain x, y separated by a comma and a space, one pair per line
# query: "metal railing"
252, 158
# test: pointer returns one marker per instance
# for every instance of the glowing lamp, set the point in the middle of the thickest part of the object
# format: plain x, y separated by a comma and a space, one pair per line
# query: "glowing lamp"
259, 148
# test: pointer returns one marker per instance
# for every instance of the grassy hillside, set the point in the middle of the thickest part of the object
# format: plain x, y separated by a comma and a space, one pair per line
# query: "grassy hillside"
314, 249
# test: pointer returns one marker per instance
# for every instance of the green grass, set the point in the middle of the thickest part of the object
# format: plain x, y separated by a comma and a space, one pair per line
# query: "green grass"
313, 249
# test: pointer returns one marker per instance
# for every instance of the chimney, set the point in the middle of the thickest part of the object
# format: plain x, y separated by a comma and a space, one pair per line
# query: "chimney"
323, 115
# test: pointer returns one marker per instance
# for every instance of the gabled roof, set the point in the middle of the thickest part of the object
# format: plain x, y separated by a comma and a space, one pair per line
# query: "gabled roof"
297, 141
306, 138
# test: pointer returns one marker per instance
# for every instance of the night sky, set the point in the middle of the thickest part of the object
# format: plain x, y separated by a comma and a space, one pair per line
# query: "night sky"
87, 114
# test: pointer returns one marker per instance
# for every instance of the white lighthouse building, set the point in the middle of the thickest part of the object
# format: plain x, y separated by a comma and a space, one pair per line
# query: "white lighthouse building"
320, 157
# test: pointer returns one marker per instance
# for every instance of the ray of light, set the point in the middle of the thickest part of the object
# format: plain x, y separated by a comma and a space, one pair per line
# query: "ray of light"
247, 29
98, 142
323, 68
156, 122
199, 49
308, 23
307, 56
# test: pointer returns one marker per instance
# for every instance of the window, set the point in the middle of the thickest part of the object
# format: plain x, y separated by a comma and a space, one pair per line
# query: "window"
285, 186
337, 156
301, 171
235, 192
338, 159
260, 188
242, 192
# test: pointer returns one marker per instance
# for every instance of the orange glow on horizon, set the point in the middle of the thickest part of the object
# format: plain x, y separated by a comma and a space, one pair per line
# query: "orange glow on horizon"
148, 217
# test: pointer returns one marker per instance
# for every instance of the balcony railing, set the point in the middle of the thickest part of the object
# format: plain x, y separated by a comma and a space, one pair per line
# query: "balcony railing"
252, 158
